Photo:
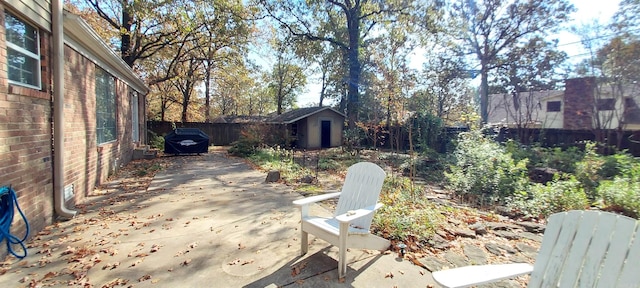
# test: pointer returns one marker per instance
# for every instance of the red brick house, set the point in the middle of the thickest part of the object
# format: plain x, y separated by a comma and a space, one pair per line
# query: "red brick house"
71, 111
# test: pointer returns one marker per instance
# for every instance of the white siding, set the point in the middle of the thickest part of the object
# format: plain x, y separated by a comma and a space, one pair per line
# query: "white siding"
36, 11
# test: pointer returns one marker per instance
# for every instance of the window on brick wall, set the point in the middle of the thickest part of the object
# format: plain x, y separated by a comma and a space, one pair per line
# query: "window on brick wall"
105, 106
135, 122
23, 52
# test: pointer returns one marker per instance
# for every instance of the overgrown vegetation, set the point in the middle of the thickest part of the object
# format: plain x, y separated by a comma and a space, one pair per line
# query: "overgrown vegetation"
156, 141
484, 169
481, 172
407, 215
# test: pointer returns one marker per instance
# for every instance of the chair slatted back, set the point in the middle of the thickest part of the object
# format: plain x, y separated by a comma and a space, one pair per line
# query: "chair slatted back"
588, 249
361, 189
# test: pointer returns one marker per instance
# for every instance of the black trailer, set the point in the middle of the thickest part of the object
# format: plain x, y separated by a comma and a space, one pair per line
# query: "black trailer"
186, 141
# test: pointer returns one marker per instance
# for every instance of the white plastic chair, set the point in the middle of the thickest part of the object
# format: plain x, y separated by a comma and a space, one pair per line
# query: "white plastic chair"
349, 226
579, 249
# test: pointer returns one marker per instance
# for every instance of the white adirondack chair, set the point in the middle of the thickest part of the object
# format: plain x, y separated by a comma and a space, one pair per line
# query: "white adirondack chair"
579, 249
349, 226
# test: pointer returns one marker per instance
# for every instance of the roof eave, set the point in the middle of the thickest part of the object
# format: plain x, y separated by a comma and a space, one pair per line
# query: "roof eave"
78, 31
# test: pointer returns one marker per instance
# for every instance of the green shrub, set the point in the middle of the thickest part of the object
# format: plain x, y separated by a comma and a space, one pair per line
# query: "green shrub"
622, 195
623, 192
156, 141
482, 167
616, 164
542, 200
406, 213
329, 164
587, 170
561, 160
250, 139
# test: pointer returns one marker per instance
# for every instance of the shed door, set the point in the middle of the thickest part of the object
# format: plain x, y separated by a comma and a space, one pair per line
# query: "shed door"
325, 133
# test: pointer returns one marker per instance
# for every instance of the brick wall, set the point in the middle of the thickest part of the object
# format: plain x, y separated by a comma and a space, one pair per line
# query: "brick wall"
25, 142
578, 103
26, 153
87, 164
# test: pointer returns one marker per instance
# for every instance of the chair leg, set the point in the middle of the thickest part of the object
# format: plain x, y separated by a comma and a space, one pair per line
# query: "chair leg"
304, 242
342, 262
342, 250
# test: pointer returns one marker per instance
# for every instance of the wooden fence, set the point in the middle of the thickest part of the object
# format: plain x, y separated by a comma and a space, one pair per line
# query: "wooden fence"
222, 134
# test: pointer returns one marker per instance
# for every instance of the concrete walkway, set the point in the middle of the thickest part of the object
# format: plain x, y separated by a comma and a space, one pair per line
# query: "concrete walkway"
208, 221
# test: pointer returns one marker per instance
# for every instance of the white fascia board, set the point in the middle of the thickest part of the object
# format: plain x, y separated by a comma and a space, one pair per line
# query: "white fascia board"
81, 37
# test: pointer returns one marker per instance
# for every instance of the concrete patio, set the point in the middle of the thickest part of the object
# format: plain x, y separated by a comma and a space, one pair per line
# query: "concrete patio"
207, 221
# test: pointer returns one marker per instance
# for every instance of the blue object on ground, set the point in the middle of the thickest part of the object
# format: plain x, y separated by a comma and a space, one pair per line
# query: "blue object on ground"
7, 200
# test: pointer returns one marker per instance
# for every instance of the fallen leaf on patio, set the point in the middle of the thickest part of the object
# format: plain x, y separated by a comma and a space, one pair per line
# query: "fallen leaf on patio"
70, 250
51, 274
155, 248
247, 262
142, 255
234, 262
295, 271
185, 262
401, 272
417, 262
111, 266
115, 282
144, 278
137, 262
300, 282
388, 275
193, 245
421, 272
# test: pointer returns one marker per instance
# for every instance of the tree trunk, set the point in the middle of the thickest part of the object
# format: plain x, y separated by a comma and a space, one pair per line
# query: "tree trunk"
353, 97
125, 33
484, 91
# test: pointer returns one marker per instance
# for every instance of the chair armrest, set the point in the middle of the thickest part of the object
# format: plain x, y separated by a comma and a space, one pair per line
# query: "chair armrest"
314, 199
480, 274
355, 214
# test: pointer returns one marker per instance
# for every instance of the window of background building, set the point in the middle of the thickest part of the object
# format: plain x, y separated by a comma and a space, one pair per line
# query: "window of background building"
605, 104
554, 106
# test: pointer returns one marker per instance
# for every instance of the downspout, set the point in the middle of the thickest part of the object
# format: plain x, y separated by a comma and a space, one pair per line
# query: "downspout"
58, 111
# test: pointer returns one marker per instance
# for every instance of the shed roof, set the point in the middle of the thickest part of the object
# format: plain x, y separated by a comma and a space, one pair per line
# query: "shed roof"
300, 113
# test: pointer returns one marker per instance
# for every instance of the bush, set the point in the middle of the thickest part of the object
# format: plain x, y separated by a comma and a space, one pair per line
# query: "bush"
248, 143
621, 195
587, 170
156, 141
329, 164
406, 213
482, 167
623, 192
542, 200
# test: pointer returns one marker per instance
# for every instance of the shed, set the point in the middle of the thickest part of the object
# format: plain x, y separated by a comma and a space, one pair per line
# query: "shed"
312, 127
